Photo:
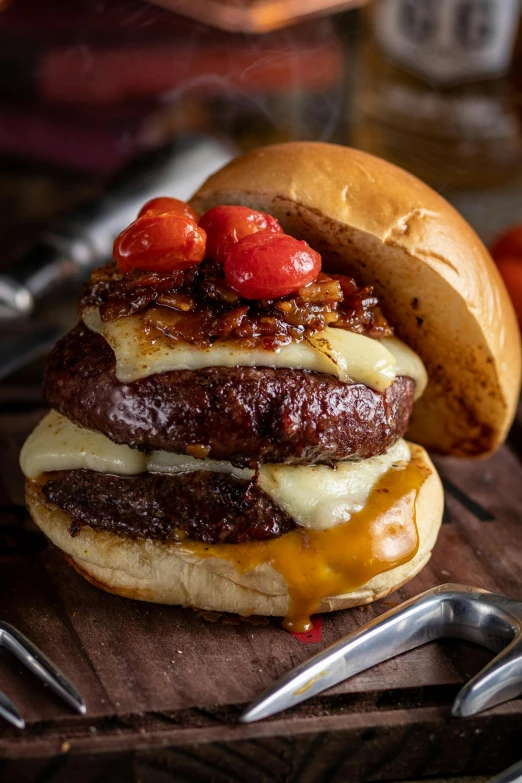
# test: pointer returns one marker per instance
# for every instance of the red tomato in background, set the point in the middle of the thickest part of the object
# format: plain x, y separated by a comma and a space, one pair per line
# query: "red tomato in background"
267, 265
161, 204
159, 243
226, 225
507, 252
508, 245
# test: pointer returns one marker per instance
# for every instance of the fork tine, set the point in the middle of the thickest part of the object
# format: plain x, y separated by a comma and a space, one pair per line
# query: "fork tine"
449, 610
10, 712
499, 681
401, 629
38, 663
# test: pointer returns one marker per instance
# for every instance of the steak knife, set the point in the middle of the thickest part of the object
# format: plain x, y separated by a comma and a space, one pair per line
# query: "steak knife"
83, 239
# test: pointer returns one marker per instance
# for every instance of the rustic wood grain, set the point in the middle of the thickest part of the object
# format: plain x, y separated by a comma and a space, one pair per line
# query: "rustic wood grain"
164, 686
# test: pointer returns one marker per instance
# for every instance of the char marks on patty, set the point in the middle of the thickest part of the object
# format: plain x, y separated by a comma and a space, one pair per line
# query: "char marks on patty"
246, 415
203, 506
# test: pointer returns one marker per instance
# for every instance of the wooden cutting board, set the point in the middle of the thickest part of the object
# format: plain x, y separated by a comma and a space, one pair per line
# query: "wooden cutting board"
164, 685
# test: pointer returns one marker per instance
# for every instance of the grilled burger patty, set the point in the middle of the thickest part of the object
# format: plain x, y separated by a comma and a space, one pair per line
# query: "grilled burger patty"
203, 506
241, 414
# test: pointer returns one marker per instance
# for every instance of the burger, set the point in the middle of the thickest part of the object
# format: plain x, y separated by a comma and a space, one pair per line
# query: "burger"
228, 417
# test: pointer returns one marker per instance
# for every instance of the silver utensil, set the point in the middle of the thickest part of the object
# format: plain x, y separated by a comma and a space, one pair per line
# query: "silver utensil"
511, 775
38, 663
454, 611
83, 239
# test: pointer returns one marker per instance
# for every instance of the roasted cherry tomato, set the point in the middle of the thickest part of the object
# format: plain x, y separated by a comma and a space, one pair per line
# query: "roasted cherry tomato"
267, 265
226, 225
160, 243
161, 204
508, 245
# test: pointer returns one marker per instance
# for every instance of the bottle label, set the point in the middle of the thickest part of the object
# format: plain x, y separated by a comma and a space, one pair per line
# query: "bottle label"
448, 41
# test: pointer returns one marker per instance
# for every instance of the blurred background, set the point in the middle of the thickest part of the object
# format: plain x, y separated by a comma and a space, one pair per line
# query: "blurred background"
105, 101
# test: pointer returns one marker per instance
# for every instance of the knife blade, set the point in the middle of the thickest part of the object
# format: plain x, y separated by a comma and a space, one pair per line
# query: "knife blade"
83, 239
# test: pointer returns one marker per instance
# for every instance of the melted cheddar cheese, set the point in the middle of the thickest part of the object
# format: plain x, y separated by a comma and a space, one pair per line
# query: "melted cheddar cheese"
316, 564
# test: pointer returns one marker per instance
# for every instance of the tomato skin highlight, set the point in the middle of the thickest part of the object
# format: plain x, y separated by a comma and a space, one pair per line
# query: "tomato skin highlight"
162, 204
226, 225
267, 265
159, 243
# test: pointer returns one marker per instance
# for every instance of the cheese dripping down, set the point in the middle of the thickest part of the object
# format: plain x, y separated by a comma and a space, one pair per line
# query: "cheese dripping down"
141, 350
316, 564
316, 496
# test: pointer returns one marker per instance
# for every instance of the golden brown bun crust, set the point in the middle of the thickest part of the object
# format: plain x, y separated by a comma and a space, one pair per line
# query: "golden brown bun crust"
436, 281
159, 572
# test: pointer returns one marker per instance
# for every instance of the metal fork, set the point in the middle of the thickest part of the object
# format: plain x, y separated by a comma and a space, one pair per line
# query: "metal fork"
38, 663
511, 775
456, 611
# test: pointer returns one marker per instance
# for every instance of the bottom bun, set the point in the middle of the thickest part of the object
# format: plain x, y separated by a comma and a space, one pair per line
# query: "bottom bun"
160, 572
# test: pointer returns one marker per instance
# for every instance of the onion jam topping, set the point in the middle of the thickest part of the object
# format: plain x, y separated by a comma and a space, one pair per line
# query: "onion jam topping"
197, 305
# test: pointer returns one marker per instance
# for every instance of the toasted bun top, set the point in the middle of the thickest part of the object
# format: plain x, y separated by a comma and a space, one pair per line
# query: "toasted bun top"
436, 281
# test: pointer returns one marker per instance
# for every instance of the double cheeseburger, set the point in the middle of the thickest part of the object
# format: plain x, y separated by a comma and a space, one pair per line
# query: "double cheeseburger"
228, 416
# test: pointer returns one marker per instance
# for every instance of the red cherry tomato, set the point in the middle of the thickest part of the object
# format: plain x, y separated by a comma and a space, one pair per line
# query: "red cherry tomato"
267, 265
226, 225
159, 243
511, 270
163, 204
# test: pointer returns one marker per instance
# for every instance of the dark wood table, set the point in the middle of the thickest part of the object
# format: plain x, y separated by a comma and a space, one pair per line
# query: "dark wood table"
164, 685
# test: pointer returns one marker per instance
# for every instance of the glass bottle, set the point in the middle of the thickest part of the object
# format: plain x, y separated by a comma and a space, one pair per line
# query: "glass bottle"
437, 89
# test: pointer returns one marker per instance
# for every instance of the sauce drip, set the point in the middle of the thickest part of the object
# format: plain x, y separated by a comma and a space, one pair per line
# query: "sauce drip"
317, 564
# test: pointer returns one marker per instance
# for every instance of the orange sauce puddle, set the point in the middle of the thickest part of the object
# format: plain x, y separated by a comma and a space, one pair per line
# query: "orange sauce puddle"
317, 564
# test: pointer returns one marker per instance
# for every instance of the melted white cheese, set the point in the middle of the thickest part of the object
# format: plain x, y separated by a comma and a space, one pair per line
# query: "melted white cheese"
316, 496
58, 444
141, 350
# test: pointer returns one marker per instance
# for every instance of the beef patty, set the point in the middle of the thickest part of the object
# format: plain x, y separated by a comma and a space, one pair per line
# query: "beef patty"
204, 506
242, 414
